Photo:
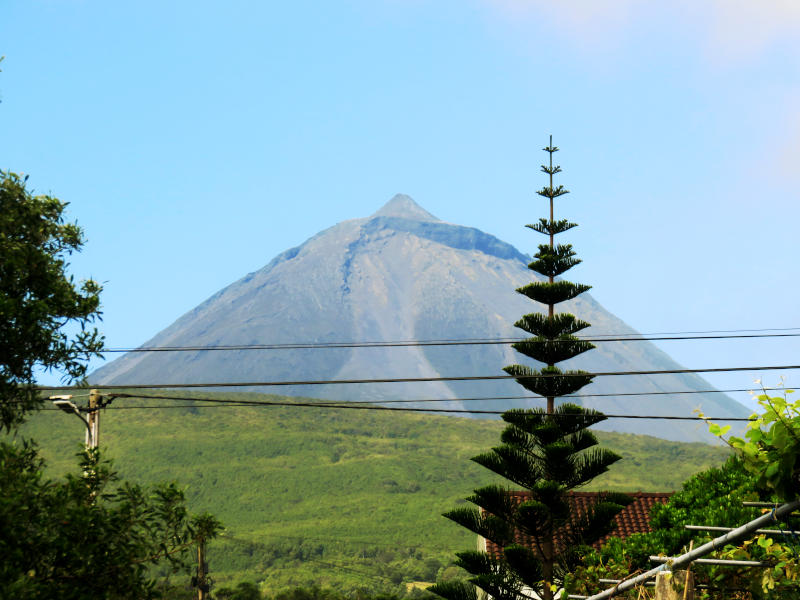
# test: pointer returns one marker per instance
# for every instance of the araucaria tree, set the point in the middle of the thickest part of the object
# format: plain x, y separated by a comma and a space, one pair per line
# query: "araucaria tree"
534, 539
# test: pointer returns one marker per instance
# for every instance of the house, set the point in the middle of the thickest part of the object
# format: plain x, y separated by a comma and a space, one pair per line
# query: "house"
634, 518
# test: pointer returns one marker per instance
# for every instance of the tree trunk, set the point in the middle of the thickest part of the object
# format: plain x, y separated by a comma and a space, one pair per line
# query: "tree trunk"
547, 569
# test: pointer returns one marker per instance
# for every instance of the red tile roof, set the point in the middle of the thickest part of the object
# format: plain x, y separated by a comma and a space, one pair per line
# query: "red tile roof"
634, 518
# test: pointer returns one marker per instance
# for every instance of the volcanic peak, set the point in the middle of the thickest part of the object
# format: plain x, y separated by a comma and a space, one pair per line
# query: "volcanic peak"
404, 207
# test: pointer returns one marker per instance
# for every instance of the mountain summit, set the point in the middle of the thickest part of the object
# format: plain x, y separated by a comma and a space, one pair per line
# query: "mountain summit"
402, 274
404, 207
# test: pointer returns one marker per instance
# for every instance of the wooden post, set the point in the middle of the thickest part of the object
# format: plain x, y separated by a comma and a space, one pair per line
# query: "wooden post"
93, 429
675, 585
688, 574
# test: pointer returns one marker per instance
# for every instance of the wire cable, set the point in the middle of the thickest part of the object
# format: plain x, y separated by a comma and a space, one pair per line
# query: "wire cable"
489, 398
421, 379
447, 411
612, 395
633, 337
335, 405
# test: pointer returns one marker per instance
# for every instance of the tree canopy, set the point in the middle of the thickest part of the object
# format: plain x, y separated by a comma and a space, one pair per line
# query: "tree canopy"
89, 535
770, 448
45, 316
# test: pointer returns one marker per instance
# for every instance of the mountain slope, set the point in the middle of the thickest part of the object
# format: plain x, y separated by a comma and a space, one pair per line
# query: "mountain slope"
402, 274
310, 495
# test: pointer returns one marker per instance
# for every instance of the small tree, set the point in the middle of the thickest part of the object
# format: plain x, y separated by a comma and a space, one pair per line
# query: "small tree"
89, 536
546, 452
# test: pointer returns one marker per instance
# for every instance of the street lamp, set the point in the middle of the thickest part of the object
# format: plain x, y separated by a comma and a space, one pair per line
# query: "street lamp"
92, 420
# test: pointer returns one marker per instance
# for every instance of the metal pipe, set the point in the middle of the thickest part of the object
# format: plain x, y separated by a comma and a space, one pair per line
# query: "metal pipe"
757, 531
699, 586
716, 561
737, 534
761, 504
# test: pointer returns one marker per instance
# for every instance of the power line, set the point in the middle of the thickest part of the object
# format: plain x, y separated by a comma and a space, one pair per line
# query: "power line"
333, 405
362, 407
489, 398
448, 411
612, 395
444, 342
422, 379
719, 331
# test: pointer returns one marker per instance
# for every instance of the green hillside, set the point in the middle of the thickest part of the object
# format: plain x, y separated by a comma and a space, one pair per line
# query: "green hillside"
338, 498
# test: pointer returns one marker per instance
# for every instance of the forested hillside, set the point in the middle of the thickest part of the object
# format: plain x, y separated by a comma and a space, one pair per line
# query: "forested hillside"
340, 498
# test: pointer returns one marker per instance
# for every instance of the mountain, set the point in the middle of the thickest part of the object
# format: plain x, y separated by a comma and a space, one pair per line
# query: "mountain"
403, 274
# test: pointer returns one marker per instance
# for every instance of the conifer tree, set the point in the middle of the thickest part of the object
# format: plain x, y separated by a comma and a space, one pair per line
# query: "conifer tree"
546, 452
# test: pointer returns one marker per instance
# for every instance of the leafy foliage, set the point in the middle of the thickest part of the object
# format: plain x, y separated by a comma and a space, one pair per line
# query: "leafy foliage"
38, 299
770, 448
553, 293
245, 590
550, 381
89, 535
553, 261
551, 227
778, 581
317, 593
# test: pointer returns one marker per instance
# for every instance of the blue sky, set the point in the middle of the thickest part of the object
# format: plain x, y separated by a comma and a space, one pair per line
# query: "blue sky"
196, 140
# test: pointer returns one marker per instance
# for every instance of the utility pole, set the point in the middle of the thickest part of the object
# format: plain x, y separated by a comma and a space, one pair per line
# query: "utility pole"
92, 418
